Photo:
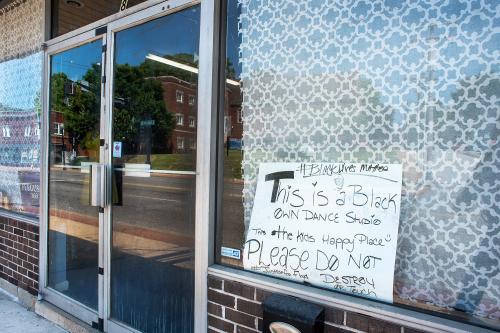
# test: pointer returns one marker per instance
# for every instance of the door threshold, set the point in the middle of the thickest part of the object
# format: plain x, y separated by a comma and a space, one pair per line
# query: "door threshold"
61, 318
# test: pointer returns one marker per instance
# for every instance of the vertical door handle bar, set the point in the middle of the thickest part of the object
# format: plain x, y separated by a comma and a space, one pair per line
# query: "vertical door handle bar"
97, 185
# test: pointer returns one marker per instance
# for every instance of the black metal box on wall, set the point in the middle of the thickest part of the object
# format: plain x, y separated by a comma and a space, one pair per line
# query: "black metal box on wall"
286, 314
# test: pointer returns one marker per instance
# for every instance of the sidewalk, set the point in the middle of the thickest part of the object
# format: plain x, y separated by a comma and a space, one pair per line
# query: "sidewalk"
16, 319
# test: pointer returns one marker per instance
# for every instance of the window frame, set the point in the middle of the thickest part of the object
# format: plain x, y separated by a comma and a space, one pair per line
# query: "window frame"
179, 143
179, 96
179, 119
192, 122
404, 315
59, 128
239, 116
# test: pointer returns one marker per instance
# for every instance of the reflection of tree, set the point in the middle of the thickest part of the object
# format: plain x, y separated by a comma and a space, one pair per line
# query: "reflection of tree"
138, 99
79, 103
230, 71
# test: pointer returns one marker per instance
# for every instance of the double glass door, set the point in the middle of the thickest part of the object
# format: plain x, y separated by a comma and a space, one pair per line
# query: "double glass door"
121, 150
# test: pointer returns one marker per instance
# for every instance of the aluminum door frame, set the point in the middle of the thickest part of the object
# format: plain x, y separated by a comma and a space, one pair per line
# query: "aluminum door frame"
60, 300
205, 111
205, 158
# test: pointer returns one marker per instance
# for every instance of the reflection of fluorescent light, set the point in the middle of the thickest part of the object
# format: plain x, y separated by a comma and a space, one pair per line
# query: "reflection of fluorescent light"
173, 63
182, 66
233, 82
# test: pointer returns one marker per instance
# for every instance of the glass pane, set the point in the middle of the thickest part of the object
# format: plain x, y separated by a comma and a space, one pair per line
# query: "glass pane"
231, 229
154, 150
68, 15
75, 91
20, 116
407, 82
21, 62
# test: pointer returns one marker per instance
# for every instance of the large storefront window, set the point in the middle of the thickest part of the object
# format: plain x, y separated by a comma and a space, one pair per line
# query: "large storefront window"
20, 105
411, 83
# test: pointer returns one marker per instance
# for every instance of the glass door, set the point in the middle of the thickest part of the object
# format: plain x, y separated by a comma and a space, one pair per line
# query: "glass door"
121, 171
74, 154
153, 93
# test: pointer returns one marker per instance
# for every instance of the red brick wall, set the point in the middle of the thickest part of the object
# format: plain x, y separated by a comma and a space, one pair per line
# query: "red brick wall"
19, 254
234, 307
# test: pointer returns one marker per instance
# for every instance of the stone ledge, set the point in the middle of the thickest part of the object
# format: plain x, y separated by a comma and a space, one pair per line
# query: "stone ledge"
23, 297
62, 319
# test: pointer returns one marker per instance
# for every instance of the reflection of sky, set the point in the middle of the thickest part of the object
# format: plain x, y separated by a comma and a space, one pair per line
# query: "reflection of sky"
178, 32
77, 61
132, 45
21, 81
233, 38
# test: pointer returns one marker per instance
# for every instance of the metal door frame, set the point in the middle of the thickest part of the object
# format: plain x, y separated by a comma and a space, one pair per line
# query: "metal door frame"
205, 170
62, 301
160, 10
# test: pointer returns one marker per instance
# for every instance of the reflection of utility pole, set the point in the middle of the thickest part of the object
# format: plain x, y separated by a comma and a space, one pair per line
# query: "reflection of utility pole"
146, 126
148, 144
63, 152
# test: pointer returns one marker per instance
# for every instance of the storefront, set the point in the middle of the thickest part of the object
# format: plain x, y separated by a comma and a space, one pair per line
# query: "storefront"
166, 166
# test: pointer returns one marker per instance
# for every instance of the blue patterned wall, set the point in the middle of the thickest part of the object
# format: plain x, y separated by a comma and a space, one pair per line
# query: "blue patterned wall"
411, 82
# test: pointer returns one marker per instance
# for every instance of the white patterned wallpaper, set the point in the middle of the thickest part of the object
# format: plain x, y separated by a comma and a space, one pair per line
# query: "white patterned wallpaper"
21, 59
413, 82
21, 28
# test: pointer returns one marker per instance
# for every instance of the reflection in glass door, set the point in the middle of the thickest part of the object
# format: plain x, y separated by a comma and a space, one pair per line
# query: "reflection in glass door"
74, 116
154, 126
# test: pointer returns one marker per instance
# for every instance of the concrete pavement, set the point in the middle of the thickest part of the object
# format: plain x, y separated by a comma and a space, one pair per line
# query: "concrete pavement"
14, 318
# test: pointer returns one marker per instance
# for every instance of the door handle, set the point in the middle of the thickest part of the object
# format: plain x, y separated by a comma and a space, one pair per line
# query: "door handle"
97, 189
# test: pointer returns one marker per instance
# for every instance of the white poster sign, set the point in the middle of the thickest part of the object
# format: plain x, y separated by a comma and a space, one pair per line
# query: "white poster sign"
333, 225
117, 149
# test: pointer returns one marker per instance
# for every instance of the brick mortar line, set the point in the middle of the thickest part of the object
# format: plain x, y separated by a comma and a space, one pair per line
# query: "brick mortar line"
234, 322
21, 266
24, 252
242, 297
248, 300
224, 319
31, 279
234, 295
256, 320
216, 329
21, 242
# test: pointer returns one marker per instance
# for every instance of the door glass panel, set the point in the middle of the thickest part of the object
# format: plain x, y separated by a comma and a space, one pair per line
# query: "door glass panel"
153, 186
75, 91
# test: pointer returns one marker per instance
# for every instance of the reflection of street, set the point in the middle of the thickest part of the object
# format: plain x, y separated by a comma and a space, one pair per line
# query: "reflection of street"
233, 231
161, 202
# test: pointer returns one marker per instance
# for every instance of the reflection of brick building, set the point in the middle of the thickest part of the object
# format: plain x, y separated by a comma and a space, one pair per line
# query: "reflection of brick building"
233, 119
233, 110
59, 139
180, 100
19, 159
19, 138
